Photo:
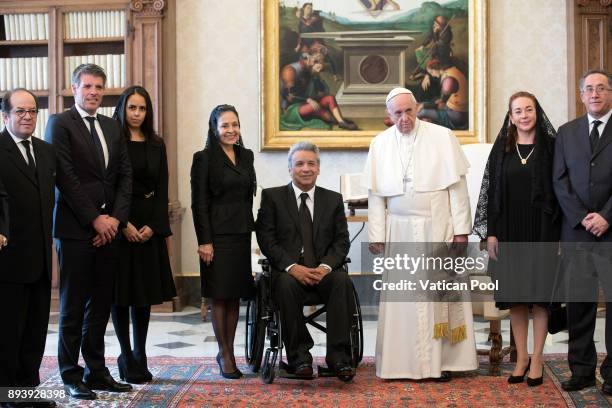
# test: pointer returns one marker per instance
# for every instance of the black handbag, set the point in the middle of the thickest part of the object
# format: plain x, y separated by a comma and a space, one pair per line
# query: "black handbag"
557, 312
557, 317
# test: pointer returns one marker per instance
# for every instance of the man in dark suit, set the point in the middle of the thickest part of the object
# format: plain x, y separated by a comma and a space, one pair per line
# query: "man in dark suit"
582, 179
94, 182
302, 230
27, 197
4, 220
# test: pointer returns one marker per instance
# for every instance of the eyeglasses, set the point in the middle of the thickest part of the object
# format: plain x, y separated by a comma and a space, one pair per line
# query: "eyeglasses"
22, 112
599, 89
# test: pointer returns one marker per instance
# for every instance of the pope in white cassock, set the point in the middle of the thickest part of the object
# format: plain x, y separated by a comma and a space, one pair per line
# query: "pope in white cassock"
415, 174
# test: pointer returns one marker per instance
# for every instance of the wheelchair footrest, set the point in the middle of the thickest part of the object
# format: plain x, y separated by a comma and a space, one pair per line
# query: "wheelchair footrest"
284, 371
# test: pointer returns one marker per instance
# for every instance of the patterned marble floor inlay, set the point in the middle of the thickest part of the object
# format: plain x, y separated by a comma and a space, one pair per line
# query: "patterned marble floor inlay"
174, 345
197, 339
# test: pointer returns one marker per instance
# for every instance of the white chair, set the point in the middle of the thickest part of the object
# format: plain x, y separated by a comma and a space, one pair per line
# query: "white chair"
482, 301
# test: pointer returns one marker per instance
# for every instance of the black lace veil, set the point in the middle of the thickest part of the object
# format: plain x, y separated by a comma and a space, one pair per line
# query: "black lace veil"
542, 194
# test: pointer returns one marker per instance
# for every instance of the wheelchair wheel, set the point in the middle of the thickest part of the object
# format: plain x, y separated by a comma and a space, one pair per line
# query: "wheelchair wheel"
356, 335
254, 336
256, 323
268, 370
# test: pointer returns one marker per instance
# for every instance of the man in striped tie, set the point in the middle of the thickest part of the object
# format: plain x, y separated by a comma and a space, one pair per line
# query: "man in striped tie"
582, 180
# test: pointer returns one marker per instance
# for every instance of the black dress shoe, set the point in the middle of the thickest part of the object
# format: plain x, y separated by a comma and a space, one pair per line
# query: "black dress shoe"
577, 383
606, 388
344, 372
303, 370
445, 376
107, 383
79, 390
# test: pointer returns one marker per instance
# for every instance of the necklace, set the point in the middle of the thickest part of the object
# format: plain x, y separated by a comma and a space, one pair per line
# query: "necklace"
524, 161
405, 178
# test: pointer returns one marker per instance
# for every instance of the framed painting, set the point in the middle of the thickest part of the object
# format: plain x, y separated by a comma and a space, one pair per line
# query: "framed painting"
327, 66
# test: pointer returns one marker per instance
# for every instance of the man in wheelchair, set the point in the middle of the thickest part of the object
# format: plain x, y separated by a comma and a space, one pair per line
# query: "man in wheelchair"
302, 230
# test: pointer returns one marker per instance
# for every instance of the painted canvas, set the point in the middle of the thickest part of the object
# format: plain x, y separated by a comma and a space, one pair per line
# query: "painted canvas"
328, 65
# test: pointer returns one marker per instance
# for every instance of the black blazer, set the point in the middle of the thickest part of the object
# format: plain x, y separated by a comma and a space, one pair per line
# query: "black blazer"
30, 211
156, 215
278, 227
220, 206
82, 185
582, 180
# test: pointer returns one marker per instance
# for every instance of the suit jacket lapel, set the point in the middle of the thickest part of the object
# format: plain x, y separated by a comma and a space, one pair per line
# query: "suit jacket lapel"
15, 155
604, 140
106, 130
228, 163
44, 177
582, 143
292, 205
318, 210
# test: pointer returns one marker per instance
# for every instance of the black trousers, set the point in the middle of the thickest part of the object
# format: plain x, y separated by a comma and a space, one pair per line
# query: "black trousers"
87, 276
586, 272
336, 291
24, 320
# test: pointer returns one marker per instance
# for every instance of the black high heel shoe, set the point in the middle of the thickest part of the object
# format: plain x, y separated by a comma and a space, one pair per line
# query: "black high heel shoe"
129, 370
234, 375
515, 379
534, 382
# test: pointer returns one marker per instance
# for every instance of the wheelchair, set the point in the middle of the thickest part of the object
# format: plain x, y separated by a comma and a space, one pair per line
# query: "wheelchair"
263, 323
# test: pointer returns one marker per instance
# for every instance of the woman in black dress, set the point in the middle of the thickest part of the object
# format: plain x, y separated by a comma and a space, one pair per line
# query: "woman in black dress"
145, 276
517, 208
222, 188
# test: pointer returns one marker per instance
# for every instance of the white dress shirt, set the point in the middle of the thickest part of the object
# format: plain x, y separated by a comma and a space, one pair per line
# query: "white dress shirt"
21, 146
310, 205
98, 129
309, 200
604, 120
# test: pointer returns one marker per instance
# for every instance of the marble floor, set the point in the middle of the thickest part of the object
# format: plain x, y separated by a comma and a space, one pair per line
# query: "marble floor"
184, 334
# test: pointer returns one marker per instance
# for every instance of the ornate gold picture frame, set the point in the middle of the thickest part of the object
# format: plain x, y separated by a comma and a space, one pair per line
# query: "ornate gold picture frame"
327, 65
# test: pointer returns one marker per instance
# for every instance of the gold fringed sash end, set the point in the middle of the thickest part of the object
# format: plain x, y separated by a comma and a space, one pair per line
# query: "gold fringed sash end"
458, 334
441, 330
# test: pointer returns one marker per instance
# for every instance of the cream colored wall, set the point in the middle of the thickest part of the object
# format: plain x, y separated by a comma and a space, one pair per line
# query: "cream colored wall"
528, 51
218, 62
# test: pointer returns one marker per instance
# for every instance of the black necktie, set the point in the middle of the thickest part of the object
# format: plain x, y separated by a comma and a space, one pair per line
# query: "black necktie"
594, 136
31, 163
306, 227
96, 140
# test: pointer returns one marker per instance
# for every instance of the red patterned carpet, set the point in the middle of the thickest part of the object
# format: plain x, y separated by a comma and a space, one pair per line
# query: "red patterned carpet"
195, 382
